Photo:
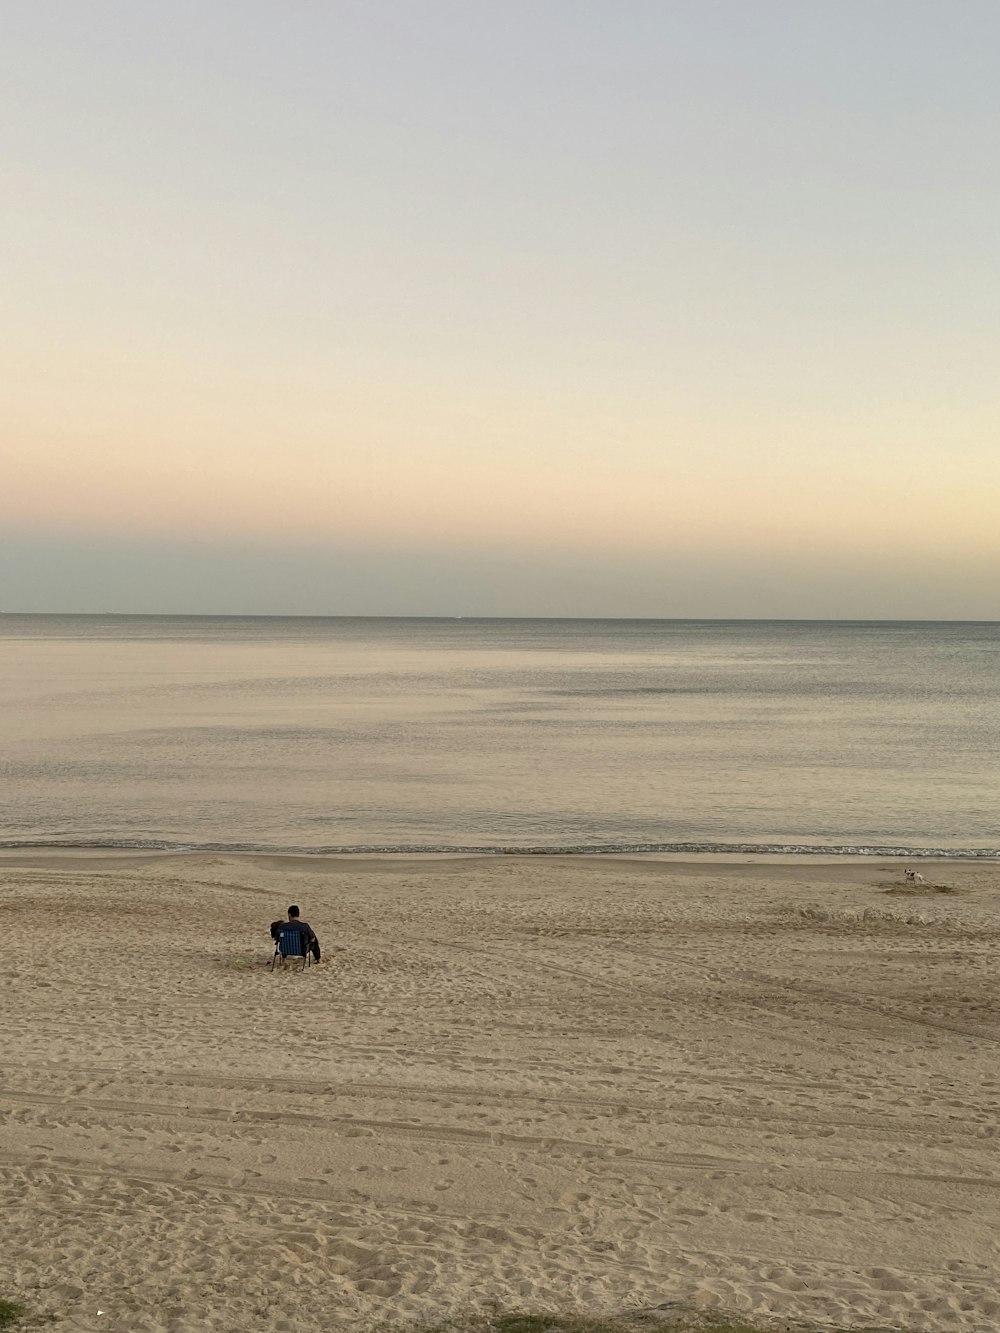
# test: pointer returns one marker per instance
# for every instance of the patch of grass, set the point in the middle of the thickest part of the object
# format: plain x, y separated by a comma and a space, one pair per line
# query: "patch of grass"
920, 890
540, 1323
673, 1317
10, 1313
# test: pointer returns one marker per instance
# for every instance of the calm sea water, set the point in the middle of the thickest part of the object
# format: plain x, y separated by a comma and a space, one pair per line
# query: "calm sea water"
313, 734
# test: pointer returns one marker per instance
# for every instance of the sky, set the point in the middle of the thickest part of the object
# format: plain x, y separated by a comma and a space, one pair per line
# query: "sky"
542, 307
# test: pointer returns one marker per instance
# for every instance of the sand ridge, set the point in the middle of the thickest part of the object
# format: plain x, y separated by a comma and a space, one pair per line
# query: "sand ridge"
572, 1084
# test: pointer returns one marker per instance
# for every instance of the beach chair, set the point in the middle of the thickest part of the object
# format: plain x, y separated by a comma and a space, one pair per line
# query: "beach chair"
291, 944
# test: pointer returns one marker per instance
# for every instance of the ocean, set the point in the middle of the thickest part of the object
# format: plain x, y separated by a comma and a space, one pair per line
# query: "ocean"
290, 734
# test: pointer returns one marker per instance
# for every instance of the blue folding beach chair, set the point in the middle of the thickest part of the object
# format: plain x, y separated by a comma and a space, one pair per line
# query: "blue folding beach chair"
291, 943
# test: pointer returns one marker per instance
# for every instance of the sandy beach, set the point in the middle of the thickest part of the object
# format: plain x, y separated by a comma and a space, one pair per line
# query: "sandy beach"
562, 1084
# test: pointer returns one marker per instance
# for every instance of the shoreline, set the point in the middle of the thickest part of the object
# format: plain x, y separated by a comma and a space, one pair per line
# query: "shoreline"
788, 867
56, 857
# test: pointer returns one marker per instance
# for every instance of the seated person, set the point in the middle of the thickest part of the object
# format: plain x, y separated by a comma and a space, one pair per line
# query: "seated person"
312, 943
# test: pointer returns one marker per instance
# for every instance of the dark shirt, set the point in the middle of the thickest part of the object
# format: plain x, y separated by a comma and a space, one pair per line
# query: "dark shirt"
296, 923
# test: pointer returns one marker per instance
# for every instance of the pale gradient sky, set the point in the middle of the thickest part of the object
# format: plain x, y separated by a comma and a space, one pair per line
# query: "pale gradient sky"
644, 307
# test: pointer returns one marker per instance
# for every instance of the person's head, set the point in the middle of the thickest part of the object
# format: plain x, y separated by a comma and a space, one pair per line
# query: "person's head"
293, 913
